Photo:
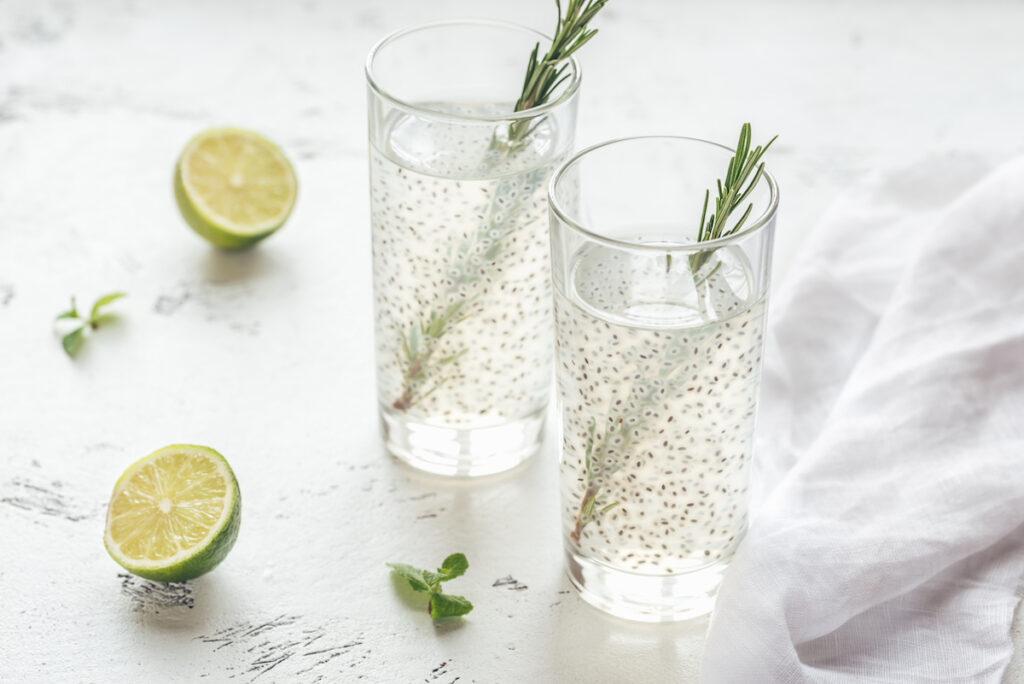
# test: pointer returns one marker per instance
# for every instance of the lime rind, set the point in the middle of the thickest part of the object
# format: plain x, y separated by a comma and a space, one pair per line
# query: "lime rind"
203, 556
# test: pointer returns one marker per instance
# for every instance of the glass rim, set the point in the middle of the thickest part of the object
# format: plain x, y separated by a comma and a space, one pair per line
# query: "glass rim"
567, 94
763, 219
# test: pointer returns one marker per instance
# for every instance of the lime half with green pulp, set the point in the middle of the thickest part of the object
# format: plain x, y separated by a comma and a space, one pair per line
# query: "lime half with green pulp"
174, 514
234, 187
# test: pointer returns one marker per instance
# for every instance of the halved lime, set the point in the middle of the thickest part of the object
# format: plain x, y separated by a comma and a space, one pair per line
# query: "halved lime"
174, 514
234, 187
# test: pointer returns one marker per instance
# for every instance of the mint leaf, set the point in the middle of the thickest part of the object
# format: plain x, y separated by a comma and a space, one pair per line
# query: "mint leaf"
412, 575
432, 579
454, 566
102, 302
70, 313
441, 605
73, 341
446, 605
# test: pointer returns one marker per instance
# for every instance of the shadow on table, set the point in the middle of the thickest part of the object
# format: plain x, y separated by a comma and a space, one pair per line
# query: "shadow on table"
175, 605
221, 266
589, 645
410, 598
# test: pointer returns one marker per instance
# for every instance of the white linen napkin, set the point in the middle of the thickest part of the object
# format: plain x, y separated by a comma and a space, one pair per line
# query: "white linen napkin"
887, 543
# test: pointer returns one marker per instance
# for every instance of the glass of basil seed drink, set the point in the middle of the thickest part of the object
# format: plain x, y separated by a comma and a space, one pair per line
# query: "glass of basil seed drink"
461, 273
659, 331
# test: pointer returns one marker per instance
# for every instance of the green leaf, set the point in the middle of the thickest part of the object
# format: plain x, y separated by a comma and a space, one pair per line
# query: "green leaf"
454, 308
588, 506
433, 579
436, 326
102, 302
405, 345
414, 341
447, 605
414, 576
494, 249
588, 456
438, 385
453, 566
70, 313
441, 605
73, 341
102, 319
451, 359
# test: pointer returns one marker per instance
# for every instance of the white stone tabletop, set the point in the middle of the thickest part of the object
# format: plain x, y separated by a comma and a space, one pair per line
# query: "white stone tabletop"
266, 355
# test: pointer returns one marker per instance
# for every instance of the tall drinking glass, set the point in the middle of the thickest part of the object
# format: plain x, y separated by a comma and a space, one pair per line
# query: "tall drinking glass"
659, 342
460, 243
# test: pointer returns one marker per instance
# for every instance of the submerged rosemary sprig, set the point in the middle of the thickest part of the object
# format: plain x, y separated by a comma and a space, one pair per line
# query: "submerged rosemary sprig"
545, 74
418, 347
605, 452
732, 192
423, 338
595, 470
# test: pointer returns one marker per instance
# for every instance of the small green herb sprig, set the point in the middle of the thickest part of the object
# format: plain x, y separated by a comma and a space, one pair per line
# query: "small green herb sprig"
418, 347
426, 582
72, 341
594, 468
732, 192
545, 74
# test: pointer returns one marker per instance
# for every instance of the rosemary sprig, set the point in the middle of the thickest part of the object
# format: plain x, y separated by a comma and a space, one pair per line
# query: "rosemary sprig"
732, 192
594, 462
418, 362
606, 452
545, 74
604, 455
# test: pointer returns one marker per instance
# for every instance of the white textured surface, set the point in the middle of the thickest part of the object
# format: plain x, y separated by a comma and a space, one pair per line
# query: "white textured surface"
267, 355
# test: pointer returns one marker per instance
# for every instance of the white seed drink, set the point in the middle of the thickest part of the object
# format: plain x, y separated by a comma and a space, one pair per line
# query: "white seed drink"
659, 395
462, 285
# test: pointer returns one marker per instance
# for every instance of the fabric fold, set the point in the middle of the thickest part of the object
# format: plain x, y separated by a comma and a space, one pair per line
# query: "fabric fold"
886, 544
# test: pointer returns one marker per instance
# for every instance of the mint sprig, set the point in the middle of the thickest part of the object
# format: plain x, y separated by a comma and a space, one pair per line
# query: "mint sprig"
72, 340
427, 582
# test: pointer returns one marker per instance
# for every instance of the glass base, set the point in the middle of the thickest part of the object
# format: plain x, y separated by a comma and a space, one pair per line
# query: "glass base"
645, 598
462, 452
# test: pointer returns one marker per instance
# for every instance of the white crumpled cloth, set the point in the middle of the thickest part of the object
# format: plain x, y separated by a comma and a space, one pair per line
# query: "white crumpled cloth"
888, 542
